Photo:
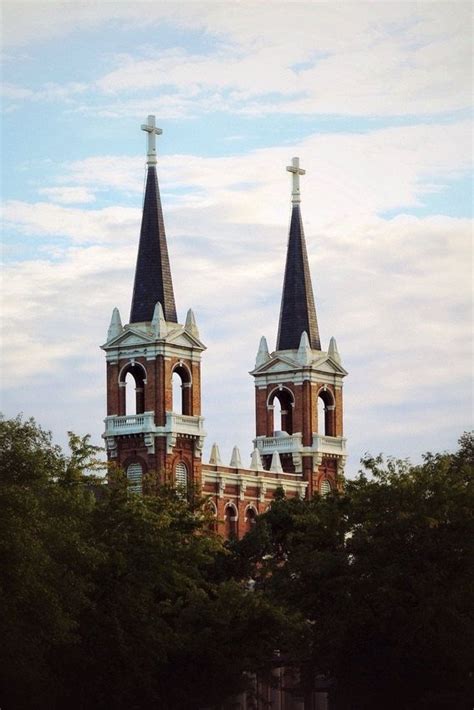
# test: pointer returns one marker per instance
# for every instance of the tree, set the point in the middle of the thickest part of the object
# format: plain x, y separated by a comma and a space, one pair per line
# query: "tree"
383, 573
115, 600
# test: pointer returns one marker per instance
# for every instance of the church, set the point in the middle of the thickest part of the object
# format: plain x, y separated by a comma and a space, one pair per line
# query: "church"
299, 445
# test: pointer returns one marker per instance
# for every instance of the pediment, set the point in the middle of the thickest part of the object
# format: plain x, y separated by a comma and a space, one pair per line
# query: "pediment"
129, 337
183, 338
281, 363
330, 366
277, 364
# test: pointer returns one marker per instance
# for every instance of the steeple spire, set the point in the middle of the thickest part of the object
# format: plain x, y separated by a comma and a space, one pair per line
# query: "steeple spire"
298, 312
152, 273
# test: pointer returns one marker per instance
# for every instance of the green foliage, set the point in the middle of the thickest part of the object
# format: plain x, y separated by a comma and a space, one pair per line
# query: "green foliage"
384, 576
113, 600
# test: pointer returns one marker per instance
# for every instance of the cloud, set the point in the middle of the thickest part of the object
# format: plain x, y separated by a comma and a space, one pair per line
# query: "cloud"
384, 59
68, 195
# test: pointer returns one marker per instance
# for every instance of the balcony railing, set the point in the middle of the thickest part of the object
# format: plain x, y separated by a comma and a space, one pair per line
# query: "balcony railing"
282, 444
329, 444
145, 423
293, 444
184, 424
130, 424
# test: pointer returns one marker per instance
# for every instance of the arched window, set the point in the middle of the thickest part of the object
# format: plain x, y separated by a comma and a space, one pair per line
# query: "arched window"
282, 402
250, 518
212, 510
324, 487
133, 379
181, 385
326, 413
230, 519
181, 478
135, 478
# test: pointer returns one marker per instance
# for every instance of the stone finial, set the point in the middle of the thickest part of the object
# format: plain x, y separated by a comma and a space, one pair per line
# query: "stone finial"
304, 351
263, 355
256, 461
190, 324
215, 457
158, 323
115, 327
276, 466
333, 352
235, 460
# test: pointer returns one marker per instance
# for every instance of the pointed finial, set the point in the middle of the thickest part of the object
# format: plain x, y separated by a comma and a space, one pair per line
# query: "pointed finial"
158, 323
304, 355
190, 324
235, 459
333, 352
152, 131
256, 461
115, 327
215, 457
276, 466
297, 171
263, 355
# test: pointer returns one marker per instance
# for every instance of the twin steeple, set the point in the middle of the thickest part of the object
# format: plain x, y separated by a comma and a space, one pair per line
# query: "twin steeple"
153, 281
298, 312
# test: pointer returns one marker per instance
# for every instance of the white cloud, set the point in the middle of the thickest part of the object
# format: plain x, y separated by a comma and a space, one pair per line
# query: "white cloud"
68, 195
351, 59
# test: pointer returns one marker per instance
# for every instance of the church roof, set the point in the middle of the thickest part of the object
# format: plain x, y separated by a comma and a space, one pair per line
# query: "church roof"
298, 312
152, 273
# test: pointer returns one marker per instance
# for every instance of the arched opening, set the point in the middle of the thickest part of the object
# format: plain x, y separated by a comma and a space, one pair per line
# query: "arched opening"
211, 509
326, 412
282, 402
135, 478
181, 478
250, 518
324, 487
181, 386
230, 520
133, 380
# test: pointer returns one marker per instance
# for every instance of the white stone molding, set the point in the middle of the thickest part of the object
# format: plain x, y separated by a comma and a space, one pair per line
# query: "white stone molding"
111, 445
149, 440
221, 486
242, 487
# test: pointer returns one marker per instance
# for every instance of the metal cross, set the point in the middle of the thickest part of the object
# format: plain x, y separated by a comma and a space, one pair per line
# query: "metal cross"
152, 131
297, 171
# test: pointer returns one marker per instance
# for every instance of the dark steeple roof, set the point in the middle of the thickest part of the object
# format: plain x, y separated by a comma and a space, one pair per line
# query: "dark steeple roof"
298, 312
152, 274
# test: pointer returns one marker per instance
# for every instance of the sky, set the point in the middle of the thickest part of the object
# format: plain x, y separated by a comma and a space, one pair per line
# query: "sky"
375, 99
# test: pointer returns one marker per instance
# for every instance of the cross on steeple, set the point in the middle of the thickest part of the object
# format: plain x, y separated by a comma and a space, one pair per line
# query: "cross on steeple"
297, 171
152, 131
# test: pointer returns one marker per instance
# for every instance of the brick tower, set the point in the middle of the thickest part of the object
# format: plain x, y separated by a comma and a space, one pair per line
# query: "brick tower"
161, 434
299, 384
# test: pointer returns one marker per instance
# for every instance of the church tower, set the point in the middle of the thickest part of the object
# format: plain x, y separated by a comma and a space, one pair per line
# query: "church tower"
298, 387
154, 423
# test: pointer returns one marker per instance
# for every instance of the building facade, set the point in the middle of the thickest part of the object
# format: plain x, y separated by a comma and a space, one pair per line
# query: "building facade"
299, 443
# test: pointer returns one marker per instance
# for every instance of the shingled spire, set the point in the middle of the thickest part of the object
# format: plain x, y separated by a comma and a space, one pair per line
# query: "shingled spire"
152, 273
298, 312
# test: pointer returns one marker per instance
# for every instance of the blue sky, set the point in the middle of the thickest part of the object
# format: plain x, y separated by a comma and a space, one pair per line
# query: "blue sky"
375, 98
